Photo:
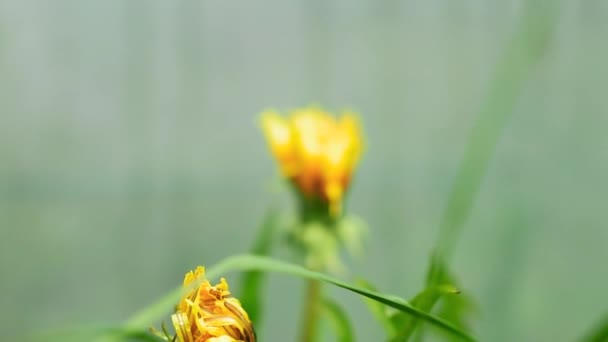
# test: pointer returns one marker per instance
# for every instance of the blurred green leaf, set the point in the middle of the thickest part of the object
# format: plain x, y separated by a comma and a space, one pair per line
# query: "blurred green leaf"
455, 309
339, 320
599, 332
405, 325
252, 262
252, 296
378, 310
458, 309
351, 231
320, 246
526, 47
437, 272
397, 325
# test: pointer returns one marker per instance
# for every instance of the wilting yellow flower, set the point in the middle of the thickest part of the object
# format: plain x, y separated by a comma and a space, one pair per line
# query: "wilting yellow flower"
210, 314
316, 151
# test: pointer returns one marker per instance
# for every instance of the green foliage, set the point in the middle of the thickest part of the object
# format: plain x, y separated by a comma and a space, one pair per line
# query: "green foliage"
405, 325
525, 49
400, 326
252, 296
458, 310
455, 309
598, 333
319, 245
339, 320
378, 310
351, 231
320, 240
251, 262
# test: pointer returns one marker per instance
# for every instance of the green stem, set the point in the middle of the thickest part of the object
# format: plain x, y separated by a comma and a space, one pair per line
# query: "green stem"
310, 315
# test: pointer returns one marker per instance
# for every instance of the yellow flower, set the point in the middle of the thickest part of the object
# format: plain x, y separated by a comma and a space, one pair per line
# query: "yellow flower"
210, 314
316, 151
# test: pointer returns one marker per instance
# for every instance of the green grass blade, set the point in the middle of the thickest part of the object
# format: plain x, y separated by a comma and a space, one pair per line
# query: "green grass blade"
252, 262
339, 320
459, 310
378, 310
425, 301
253, 281
526, 47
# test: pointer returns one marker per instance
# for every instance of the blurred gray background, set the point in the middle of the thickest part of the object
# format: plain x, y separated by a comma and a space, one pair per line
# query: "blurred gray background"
129, 153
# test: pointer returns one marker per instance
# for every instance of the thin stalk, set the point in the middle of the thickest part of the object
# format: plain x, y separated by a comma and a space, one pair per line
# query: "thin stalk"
313, 210
312, 307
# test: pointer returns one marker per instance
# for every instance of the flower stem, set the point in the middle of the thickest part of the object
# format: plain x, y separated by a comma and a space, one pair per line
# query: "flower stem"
310, 316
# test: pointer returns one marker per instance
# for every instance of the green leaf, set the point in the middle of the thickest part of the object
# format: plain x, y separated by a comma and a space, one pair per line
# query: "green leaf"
253, 281
405, 325
455, 309
320, 246
351, 231
378, 310
458, 309
252, 262
525, 49
599, 333
339, 320
438, 272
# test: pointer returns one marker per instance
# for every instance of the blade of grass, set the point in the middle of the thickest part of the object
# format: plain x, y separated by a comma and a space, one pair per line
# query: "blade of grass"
460, 310
425, 300
455, 309
511, 263
377, 309
253, 281
252, 262
339, 320
525, 49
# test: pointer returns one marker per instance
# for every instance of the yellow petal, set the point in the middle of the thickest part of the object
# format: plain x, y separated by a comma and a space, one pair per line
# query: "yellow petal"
316, 151
210, 313
277, 132
221, 339
350, 127
194, 275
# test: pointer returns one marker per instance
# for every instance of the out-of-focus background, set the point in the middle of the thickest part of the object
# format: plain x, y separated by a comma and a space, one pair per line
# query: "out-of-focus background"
130, 153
